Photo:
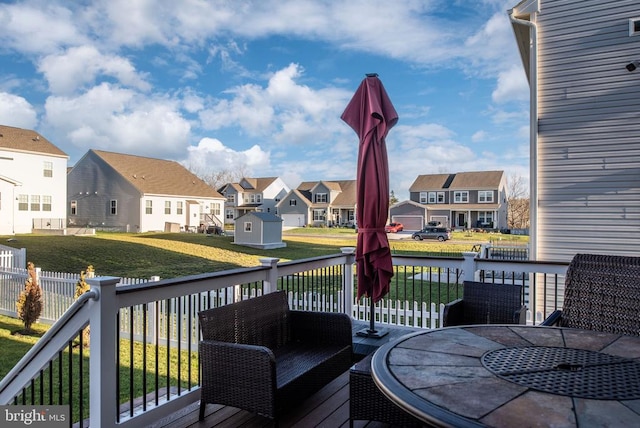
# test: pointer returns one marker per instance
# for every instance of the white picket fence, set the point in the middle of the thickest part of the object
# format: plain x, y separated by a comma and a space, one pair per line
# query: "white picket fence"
159, 322
12, 257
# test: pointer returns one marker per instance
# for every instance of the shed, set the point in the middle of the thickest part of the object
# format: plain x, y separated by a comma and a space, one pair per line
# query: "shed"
259, 230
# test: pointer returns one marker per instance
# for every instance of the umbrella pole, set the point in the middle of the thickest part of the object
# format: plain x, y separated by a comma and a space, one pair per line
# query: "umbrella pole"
371, 331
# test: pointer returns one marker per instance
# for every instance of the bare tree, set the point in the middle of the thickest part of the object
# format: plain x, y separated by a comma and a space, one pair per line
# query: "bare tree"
518, 211
218, 178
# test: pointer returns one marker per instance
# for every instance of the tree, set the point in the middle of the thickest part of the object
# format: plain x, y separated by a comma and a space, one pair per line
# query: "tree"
29, 304
81, 288
518, 199
218, 178
392, 199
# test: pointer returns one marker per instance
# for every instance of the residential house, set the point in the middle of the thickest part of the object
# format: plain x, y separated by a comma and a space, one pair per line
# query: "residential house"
317, 203
460, 200
580, 61
252, 194
129, 193
33, 182
259, 230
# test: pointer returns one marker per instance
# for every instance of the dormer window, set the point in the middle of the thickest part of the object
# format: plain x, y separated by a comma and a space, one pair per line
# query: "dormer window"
321, 198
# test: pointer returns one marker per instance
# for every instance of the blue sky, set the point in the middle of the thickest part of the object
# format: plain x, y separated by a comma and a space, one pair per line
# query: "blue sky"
262, 84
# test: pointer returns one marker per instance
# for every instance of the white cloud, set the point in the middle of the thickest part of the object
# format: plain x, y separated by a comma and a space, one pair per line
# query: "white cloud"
512, 86
211, 153
284, 110
38, 28
479, 136
16, 111
117, 119
72, 70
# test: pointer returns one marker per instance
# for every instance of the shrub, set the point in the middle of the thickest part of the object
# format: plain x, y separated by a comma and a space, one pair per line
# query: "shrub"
81, 288
29, 304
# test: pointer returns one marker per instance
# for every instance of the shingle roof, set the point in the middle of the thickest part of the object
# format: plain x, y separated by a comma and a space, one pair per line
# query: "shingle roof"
259, 184
27, 140
157, 176
460, 180
347, 189
267, 217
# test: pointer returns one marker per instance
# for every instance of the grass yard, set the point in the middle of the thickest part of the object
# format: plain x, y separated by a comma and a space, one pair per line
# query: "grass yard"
171, 255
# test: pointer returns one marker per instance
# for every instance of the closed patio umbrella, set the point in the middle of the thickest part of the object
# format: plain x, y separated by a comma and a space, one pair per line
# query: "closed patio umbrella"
371, 115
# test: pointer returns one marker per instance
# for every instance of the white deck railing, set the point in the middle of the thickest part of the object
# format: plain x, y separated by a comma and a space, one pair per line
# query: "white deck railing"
122, 310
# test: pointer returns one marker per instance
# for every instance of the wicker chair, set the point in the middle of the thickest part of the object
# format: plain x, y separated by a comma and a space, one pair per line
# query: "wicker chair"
260, 356
485, 303
602, 293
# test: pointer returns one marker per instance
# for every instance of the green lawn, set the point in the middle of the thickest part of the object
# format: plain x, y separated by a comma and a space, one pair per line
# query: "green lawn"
178, 254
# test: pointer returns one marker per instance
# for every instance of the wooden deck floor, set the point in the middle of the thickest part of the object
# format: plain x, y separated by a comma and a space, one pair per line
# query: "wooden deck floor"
329, 408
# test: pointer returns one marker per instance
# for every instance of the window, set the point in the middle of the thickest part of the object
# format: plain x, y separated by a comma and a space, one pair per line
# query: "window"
74, 208
229, 214
148, 207
167, 207
48, 169
485, 217
441, 197
35, 202
248, 226
259, 198
46, 203
461, 197
321, 198
214, 208
23, 202
231, 199
318, 215
423, 197
292, 202
113, 207
634, 26
252, 199
485, 196
432, 197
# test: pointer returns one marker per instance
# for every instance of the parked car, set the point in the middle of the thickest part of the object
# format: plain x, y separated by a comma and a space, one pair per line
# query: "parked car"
394, 227
439, 233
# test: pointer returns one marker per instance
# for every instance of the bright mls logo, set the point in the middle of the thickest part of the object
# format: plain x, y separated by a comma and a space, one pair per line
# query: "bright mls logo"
34, 416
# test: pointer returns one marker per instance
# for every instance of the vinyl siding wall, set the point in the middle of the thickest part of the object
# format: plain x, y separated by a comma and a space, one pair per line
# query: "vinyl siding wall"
589, 129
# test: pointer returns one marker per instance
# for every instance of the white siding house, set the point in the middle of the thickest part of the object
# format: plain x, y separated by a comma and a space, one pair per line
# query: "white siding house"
33, 182
585, 124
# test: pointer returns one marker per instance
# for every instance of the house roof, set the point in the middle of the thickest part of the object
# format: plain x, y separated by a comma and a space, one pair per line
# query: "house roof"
258, 184
157, 176
347, 189
26, 140
460, 180
265, 217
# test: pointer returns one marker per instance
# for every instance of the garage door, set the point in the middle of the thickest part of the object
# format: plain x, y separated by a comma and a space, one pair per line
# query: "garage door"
293, 220
444, 220
410, 222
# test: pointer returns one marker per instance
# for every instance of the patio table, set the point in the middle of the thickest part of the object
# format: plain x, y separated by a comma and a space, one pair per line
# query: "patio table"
506, 376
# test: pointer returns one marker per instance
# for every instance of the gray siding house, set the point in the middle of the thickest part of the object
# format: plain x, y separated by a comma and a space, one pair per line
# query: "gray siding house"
585, 124
129, 193
411, 214
252, 194
317, 203
465, 199
259, 230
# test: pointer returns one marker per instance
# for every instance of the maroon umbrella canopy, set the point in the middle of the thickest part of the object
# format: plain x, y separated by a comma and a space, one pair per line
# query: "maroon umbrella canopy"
371, 114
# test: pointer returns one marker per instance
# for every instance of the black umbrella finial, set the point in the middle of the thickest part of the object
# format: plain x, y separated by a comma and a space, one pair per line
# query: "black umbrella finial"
372, 74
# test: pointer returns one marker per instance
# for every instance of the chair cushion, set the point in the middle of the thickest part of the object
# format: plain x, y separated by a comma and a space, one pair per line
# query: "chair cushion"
295, 360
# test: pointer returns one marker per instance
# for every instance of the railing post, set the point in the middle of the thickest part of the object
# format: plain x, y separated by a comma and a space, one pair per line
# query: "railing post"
103, 403
350, 252
271, 284
469, 265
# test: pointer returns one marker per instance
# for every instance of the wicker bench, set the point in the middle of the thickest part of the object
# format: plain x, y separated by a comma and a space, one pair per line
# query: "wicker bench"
260, 356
